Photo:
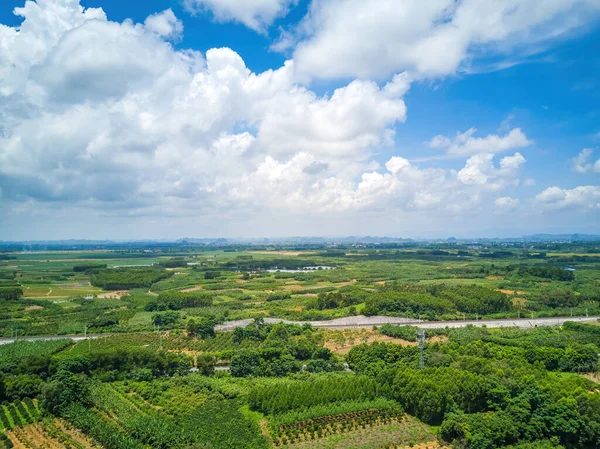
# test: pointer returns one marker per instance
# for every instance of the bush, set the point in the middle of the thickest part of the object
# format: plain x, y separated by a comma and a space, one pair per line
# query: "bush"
128, 278
11, 293
88, 266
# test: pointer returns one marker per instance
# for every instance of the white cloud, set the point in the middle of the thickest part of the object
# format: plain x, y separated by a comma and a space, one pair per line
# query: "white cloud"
401, 187
255, 14
465, 144
107, 119
397, 163
165, 24
506, 203
376, 38
510, 163
479, 170
582, 197
110, 116
581, 162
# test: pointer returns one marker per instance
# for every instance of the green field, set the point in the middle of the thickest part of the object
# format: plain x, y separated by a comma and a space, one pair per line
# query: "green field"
158, 376
238, 285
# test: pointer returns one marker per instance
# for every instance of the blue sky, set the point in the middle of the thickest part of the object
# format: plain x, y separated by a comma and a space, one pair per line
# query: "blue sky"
114, 128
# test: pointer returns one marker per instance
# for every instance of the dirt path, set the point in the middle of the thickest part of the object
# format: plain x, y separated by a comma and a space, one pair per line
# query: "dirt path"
192, 289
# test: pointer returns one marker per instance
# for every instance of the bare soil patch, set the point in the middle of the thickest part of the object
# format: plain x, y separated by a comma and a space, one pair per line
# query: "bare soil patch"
438, 339
32, 308
495, 278
113, 295
192, 289
341, 341
295, 287
594, 377
511, 292
343, 284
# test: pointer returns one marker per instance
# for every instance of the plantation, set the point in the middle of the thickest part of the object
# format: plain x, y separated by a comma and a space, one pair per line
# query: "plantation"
49, 434
167, 368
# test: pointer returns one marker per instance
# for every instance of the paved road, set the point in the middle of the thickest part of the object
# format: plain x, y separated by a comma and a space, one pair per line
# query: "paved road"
361, 322
75, 338
358, 322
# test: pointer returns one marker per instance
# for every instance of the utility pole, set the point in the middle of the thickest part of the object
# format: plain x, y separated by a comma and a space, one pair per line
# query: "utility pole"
421, 338
88, 339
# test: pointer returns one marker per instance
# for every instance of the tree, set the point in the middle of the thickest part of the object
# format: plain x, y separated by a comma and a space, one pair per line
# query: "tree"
203, 328
205, 364
63, 390
2, 388
192, 328
166, 319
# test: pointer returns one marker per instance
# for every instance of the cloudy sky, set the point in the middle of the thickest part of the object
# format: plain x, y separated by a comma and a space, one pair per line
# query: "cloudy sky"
206, 118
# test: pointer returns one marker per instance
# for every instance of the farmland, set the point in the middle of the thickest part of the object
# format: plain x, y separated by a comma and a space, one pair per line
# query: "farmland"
128, 291
160, 374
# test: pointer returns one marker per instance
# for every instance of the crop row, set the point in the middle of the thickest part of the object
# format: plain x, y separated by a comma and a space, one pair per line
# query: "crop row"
13, 353
147, 427
18, 414
336, 425
105, 432
289, 395
5, 442
294, 417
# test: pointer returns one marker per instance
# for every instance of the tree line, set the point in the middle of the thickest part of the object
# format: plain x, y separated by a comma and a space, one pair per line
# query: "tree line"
127, 278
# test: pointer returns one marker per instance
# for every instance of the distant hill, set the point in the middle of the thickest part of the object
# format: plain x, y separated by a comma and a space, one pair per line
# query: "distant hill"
562, 238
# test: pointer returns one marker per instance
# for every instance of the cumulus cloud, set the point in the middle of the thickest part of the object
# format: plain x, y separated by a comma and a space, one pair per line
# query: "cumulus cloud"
429, 39
582, 164
465, 144
255, 14
582, 197
110, 115
506, 203
480, 170
111, 119
165, 24
402, 186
